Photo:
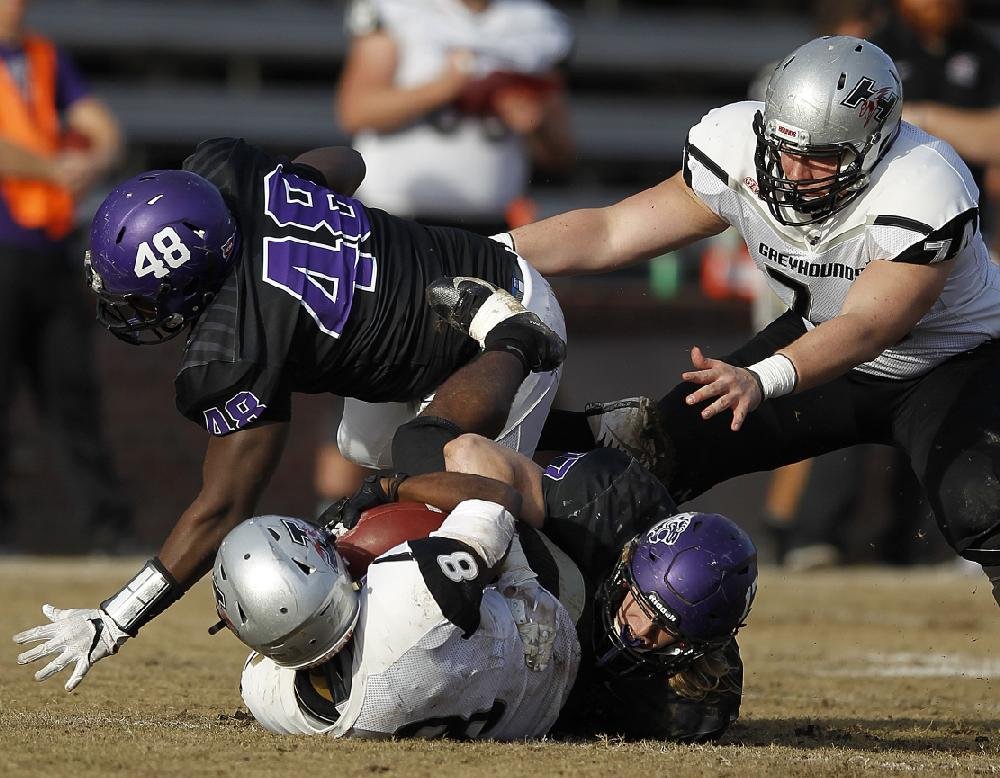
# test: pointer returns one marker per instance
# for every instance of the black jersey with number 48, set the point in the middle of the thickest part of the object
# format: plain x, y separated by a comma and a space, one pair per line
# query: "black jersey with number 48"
326, 295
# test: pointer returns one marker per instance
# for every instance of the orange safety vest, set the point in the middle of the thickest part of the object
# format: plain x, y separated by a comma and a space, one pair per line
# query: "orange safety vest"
33, 124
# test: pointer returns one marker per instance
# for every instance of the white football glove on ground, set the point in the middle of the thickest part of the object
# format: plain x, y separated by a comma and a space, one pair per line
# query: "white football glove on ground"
79, 635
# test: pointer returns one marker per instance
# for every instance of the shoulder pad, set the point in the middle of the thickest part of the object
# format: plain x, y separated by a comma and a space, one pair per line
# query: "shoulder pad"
722, 144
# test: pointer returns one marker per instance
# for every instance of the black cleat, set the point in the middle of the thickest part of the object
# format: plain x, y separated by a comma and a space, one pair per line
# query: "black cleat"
631, 425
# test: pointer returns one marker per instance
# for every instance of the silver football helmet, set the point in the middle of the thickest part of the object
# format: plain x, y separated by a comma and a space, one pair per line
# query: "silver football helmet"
836, 98
285, 591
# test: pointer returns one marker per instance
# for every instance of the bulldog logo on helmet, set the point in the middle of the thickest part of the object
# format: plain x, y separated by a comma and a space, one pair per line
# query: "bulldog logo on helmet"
668, 531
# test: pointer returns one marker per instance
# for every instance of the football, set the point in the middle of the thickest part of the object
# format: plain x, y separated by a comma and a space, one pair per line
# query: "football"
479, 97
382, 528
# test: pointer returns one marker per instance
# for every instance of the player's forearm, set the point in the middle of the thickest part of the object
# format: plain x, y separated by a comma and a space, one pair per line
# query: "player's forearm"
837, 346
189, 550
447, 490
573, 242
236, 470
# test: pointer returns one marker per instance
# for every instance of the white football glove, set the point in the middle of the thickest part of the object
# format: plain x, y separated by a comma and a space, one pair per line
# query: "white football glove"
79, 635
535, 613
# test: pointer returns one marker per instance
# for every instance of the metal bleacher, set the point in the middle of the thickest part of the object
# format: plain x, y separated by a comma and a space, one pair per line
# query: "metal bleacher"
177, 72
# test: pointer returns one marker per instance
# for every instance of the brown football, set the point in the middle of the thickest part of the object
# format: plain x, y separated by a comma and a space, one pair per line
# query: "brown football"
382, 528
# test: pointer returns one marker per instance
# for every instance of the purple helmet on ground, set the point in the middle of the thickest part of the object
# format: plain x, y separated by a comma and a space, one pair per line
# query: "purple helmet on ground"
161, 245
694, 575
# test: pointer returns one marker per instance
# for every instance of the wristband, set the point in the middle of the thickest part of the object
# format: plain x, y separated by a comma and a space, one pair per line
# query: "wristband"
776, 374
147, 595
395, 481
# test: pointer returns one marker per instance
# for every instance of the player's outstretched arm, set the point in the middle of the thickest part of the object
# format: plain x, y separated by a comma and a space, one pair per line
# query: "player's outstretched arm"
341, 166
594, 240
882, 306
442, 490
236, 469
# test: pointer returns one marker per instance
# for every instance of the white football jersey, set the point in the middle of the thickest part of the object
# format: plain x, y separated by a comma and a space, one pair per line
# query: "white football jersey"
920, 207
456, 166
435, 652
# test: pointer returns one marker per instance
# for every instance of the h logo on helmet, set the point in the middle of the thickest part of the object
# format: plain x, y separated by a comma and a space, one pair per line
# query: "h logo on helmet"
297, 534
863, 90
871, 103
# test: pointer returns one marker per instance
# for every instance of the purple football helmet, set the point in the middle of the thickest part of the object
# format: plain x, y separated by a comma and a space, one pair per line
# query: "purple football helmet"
161, 245
694, 575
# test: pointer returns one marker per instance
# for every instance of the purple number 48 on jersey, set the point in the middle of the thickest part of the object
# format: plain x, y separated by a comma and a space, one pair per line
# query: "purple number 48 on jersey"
322, 274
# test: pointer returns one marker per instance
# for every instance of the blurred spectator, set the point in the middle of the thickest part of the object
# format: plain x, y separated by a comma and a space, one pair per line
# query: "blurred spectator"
945, 60
973, 133
450, 103
830, 17
56, 141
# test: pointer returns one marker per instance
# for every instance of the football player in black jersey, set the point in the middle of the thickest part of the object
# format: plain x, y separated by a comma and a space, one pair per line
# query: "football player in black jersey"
663, 593
285, 284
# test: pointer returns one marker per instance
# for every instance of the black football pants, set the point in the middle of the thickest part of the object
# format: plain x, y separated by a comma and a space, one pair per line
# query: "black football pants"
947, 422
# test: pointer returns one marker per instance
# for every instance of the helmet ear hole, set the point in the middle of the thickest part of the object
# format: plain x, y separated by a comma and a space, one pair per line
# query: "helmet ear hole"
120, 235
303, 567
195, 229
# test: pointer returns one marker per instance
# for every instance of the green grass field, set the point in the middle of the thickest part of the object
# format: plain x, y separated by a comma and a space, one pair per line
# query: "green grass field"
850, 672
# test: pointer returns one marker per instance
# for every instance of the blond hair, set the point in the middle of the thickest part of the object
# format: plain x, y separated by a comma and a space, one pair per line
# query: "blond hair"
708, 673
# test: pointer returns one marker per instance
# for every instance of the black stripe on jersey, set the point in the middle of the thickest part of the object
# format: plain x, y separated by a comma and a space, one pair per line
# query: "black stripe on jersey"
539, 558
943, 243
214, 336
691, 150
210, 156
905, 223
455, 575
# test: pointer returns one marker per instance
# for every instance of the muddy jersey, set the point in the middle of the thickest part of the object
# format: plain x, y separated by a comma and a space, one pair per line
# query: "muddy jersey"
326, 296
436, 651
920, 207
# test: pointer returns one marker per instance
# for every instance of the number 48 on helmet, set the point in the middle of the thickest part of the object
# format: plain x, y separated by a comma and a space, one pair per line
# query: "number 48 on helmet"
161, 245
